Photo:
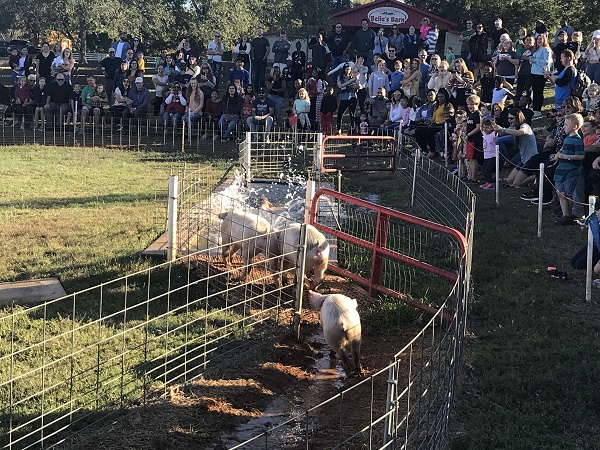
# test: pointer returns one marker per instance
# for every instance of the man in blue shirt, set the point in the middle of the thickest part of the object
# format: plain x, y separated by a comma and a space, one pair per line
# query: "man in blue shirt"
240, 73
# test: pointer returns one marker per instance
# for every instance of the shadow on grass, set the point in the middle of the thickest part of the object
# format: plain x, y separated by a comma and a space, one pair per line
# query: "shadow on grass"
91, 202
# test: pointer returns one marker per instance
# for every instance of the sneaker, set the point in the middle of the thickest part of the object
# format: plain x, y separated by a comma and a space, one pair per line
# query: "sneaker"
484, 185
565, 220
537, 114
535, 201
489, 186
529, 196
581, 221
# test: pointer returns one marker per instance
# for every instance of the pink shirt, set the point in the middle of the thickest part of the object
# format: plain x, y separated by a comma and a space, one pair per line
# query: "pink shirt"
489, 145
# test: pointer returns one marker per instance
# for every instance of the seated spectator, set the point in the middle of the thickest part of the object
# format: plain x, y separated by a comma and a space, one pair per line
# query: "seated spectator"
376, 109
231, 107
262, 113
425, 134
213, 107
140, 101
246, 108
63, 63
59, 95
195, 99
398, 112
592, 98
183, 77
193, 69
86, 102
207, 81
74, 103
133, 71
99, 100
175, 104
121, 95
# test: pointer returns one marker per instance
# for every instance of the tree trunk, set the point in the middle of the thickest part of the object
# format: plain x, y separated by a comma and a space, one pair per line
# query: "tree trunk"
82, 37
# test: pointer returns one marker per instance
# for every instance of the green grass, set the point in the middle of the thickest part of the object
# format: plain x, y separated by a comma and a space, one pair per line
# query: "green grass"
81, 214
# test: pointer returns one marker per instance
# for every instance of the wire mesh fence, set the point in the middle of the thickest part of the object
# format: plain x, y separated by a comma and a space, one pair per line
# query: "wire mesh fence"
71, 363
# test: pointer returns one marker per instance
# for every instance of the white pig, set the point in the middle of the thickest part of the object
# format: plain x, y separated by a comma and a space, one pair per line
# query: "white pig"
317, 251
341, 327
241, 226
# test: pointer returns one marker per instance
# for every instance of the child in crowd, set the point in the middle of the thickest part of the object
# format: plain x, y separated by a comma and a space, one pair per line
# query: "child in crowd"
489, 153
388, 107
459, 145
246, 108
396, 76
141, 63
404, 110
415, 103
474, 137
40, 95
569, 158
238, 86
302, 108
592, 101
485, 111
588, 130
500, 92
74, 102
99, 100
486, 83
450, 57
22, 98
13, 63
363, 125
329, 105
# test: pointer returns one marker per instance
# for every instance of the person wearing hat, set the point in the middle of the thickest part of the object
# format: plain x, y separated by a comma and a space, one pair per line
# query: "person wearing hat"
564, 26
263, 109
239, 73
140, 100
560, 46
281, 51
109, 66
592, 56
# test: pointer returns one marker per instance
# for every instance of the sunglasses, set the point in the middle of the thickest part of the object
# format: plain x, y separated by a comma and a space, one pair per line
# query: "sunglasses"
60, 79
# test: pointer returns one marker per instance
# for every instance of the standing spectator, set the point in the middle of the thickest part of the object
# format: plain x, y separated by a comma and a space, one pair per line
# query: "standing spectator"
338, 44
347, 84
138, 108
43, 62
478, 45
558, 48
59, 94
298, 62
328, 107
276, 89
40, 93
64, 64
378, 79
242, 50
424, 68
281, 51
319, 54
411, 44
381, 43
239, 73
592, 56
524, 78
193, 69
22, 98
564, 26
259, 53
137, 47
465, 38
129, 56
361, 72
215, 50
185, 47
392, 58
540, 63
440, 77
498, 31
540, 28
396, 40
121, 46
109, 66
160, 81
520, 41
364, 42
506, 61
564, 81
432, 37
162, 59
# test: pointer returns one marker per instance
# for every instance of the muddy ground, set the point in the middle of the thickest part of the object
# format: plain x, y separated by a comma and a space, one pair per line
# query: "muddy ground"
273, 380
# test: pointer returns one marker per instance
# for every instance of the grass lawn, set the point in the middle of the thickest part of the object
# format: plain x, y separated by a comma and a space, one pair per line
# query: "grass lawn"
82, 214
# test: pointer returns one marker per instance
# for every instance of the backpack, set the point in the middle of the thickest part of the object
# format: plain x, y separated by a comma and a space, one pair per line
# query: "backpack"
582, 81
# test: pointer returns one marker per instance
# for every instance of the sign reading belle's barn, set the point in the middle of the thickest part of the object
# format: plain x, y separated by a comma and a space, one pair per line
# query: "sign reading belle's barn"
387, 16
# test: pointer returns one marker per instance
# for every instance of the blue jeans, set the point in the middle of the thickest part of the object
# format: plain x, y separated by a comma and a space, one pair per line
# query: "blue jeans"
231, 121
278, 107
502, 142
252, 123
216, 69
190, 119
465, 55
174, 116
593, 71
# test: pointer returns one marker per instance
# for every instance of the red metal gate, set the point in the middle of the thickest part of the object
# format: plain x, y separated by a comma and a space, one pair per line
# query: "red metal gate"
379, 244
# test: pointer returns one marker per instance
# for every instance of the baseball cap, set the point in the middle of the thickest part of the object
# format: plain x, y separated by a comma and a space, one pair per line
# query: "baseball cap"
111, 50
282, 32
262, 89
31, 77
346, 65
139, 80
596, 34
